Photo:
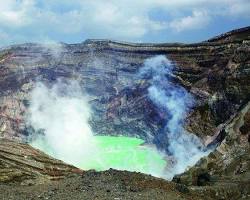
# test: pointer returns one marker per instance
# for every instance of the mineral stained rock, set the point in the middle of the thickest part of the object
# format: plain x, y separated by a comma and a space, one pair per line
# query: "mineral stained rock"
216, 72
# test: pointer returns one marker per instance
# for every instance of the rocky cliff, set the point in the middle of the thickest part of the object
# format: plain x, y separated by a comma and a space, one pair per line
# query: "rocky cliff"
216, 72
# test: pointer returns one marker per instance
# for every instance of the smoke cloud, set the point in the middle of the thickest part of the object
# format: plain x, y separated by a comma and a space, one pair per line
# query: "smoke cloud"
184, 147
61, 113
56, 49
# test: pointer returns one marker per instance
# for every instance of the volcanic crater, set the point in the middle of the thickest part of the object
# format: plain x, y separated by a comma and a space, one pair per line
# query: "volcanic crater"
181, 110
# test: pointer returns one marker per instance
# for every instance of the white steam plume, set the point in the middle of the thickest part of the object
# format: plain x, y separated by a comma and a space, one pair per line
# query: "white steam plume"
59, 115
56, 49
62, 112
185, 147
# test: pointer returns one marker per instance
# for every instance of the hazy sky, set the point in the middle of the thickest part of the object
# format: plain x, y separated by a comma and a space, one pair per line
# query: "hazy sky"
73, 21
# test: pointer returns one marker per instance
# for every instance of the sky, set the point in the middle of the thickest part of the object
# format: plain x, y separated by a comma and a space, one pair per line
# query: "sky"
73, 21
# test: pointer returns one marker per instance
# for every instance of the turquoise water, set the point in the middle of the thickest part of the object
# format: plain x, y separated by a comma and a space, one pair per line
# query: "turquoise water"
124, 153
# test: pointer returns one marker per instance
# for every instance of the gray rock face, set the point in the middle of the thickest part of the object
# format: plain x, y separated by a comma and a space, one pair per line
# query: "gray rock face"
102, 75
215, 72
227, 168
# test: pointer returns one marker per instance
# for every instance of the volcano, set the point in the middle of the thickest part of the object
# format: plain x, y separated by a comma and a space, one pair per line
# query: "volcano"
183, 106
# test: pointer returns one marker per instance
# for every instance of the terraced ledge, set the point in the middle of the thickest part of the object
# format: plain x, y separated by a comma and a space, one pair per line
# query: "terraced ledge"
20, 162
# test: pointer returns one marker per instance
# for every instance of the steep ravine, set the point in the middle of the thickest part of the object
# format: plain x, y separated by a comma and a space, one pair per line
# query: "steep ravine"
214, 72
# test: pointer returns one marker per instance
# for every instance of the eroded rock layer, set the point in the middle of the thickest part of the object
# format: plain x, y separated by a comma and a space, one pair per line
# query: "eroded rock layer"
20, 163
215, 72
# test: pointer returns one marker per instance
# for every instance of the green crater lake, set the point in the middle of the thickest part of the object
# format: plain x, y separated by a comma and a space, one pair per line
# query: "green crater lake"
123, 153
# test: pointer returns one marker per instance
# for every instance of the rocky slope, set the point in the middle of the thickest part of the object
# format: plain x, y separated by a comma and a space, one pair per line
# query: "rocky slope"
216, 72
21, 163
226, 170
111, 184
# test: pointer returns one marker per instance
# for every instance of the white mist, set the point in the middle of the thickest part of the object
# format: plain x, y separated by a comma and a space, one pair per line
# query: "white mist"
63, 113
184, 147
60, 117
